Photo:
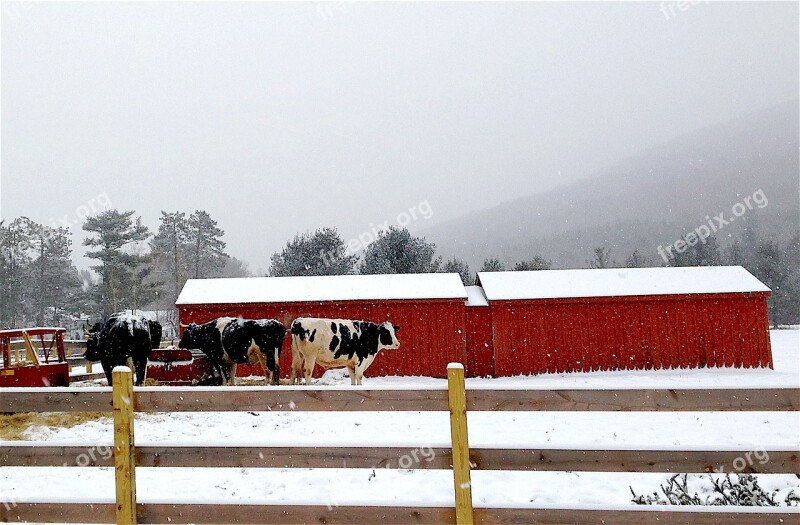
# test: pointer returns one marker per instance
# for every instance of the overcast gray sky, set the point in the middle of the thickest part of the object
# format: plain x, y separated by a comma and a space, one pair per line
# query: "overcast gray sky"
279, 118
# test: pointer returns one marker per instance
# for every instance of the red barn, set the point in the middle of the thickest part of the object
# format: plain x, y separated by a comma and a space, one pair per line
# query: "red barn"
429, 308
627, 318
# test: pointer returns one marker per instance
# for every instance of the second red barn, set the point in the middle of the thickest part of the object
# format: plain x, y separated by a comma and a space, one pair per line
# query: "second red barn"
627, 318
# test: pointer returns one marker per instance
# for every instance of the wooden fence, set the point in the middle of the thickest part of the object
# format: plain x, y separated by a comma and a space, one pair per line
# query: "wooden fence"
459, 457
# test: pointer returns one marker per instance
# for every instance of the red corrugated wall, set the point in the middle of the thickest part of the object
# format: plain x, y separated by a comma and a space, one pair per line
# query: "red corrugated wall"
563, 335
431, 331
480, 350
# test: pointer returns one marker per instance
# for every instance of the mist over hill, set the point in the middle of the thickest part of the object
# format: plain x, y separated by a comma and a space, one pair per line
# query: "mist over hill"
648, 200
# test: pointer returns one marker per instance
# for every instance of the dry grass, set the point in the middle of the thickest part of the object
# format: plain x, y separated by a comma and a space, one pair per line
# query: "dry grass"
13, 426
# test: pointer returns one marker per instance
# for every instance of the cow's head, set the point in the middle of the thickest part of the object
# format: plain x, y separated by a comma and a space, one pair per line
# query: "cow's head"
387, 336
155, 333
89, 330
196, 336
94, 351
189, 339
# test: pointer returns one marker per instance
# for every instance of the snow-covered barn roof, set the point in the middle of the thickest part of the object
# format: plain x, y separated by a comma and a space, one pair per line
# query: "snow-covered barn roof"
322, 288
475, 296
617, 282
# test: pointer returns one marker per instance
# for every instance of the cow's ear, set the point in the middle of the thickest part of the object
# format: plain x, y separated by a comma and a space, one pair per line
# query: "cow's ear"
396, 328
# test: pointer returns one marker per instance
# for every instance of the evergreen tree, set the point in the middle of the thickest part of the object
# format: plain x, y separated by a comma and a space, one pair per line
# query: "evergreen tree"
460, 267
787, 304
235, 267
537, 263
397, 251
114, 234
734, 255
169, 249
602, 258
53, 277
700, 254
492, 265
15, 263
636, 260
707, 253
83, 300
769, 266
206, 248
320, 253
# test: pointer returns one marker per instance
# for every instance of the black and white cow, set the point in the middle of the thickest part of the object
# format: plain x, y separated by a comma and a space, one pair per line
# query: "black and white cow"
335, 343
229, 341
120, 340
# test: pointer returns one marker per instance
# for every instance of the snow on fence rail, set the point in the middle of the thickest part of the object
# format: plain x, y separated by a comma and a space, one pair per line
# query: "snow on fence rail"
458, 456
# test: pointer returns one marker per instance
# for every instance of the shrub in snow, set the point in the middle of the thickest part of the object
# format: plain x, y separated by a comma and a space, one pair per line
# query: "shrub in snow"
741, 490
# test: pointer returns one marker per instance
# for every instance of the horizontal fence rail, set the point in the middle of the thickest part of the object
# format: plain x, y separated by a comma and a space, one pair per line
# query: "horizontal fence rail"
284, 514
22, 454
173, 399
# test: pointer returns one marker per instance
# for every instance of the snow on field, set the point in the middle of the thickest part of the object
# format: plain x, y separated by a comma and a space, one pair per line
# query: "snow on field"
745, 431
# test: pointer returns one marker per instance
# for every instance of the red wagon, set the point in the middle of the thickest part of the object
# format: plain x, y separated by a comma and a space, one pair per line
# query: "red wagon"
32, 371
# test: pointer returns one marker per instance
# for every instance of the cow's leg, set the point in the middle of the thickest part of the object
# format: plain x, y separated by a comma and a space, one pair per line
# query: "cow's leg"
297, 367
308, 369
276, 371
360, 368
233, 374
267, 372
107, 368
225, 368
352, 371
141, 369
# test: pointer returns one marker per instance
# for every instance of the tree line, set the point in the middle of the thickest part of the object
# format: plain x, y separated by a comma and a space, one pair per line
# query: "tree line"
134, 268
138, 269
323, 252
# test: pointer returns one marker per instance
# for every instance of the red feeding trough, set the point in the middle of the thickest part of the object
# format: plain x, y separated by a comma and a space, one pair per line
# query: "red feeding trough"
31, 371
179, 367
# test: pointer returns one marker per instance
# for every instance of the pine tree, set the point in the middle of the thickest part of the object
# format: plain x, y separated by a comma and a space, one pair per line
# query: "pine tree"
602, 258
53, 277
460, 267
397, 251
320, 253
734, 255
537, 263
636, 260
492, 265
207, 249
15, 263
787, 305
700, 254
235, 267
170, 250
707, 253
115, 233
769, 267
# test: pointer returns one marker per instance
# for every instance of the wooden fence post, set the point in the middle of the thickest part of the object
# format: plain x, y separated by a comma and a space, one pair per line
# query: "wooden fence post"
458, 434
124, 458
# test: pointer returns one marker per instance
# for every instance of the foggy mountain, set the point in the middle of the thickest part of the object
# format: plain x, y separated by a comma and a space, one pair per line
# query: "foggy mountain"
647, 201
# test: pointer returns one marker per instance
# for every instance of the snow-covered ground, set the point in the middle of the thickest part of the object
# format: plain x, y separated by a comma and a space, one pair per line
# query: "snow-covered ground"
745, 431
